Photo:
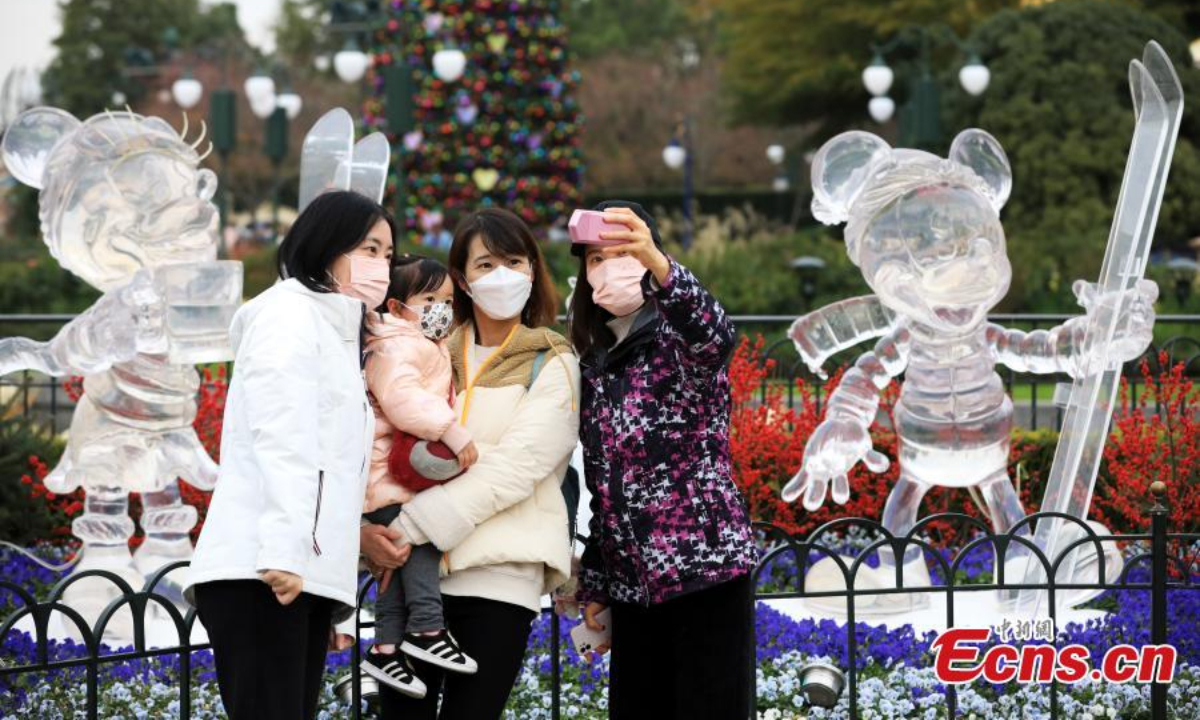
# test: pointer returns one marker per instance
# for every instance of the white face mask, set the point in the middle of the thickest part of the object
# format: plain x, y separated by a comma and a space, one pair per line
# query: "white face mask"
502, 293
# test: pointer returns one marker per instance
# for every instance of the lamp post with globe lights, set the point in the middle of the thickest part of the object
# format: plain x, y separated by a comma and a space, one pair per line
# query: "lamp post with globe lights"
187, 91
677, 155
355, 21
776, 154
920, 117
781, 183
276, 110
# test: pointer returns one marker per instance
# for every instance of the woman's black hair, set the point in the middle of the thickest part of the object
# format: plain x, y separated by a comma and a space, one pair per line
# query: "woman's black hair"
333, 224
587, 322
414, 275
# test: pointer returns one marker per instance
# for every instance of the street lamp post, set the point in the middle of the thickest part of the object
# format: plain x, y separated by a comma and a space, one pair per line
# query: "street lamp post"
678, 155
781, 183
808, 269
222, 119
276, 110
1184, 271
920, 118
355, 21
276, 148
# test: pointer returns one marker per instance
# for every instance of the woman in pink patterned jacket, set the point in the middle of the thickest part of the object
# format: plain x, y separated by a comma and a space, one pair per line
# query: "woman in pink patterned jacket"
670, 548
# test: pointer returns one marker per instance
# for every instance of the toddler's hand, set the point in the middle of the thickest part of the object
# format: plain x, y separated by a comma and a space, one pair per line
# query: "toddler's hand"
468, 457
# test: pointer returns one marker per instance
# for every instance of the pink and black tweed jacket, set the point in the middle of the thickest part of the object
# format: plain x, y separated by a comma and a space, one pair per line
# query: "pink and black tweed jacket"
667, 518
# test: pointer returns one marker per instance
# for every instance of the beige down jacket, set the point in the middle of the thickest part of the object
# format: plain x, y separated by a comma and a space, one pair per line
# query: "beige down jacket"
507, 512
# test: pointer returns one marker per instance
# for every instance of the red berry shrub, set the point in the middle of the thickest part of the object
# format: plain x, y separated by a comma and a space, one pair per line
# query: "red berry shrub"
767, 441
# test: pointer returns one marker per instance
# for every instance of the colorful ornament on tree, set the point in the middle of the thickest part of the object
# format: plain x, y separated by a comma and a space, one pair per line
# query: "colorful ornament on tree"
497, 42
412, 140
505, 132
485, 178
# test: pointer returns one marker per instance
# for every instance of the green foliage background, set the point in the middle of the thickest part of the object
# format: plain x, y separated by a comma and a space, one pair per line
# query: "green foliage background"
1059, 104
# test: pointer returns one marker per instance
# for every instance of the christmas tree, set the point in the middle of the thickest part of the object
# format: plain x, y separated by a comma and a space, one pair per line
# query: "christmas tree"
505, 133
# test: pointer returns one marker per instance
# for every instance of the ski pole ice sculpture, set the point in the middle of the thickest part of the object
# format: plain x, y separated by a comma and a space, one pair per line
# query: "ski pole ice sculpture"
125, 206
926, 233
1158, 106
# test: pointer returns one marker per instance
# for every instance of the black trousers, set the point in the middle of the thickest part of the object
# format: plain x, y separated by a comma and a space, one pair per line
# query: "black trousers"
690, 658
270, 658
495, 634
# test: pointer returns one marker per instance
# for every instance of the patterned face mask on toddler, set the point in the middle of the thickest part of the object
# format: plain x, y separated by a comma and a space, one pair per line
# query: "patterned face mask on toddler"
435, 318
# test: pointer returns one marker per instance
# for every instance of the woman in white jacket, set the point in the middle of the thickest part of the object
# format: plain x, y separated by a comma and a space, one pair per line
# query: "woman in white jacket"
502, 525
275, 563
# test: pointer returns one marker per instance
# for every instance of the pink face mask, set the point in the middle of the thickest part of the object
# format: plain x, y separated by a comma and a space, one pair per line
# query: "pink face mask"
617, 285
369, 279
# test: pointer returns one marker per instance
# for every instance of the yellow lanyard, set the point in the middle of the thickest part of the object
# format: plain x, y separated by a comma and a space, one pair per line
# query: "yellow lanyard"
467, 366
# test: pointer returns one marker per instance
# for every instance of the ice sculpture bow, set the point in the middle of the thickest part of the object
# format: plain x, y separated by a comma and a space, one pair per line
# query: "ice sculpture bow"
330, 160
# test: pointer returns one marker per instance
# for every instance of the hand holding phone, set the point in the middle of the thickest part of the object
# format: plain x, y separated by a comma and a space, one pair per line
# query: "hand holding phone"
588, 640
585, 227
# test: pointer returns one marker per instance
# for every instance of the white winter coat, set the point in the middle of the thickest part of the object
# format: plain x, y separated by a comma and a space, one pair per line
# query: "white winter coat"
296, 441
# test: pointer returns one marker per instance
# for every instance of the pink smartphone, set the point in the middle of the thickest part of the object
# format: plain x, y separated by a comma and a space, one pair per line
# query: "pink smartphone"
585, 227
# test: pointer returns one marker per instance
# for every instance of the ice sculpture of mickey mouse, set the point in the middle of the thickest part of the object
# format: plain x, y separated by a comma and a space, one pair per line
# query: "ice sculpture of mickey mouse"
926, 233
125, 205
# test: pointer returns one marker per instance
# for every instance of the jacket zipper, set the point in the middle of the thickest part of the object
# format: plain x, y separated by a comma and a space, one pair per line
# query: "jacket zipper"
366, 451
317, 515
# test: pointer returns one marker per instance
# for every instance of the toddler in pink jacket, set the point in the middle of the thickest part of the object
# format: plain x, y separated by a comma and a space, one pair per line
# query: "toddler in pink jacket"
409, 377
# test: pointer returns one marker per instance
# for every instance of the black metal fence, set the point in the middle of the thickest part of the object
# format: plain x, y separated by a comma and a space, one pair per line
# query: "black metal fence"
1172, 569
45, 399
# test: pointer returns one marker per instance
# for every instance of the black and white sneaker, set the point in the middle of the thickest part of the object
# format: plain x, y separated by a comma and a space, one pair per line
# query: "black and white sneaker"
440, 650
393, 670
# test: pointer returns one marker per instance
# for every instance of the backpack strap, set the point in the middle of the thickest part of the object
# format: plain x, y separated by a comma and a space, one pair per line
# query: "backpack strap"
539, 362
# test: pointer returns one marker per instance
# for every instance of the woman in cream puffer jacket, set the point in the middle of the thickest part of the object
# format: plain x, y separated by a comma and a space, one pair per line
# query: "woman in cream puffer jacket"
502, 525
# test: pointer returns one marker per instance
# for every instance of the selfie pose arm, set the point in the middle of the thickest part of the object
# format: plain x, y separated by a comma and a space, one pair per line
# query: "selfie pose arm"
690, 311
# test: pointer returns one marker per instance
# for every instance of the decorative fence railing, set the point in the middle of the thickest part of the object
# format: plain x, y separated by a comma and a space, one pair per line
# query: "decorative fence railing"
44, 398
1170, 571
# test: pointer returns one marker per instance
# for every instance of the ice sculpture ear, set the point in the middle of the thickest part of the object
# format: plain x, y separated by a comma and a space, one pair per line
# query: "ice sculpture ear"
369, 166
840, 171
325, 157
982, 153
30, 138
